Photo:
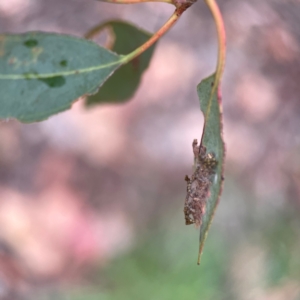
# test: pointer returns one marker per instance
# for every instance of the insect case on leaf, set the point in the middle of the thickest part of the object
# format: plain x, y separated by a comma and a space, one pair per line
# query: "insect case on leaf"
198, 185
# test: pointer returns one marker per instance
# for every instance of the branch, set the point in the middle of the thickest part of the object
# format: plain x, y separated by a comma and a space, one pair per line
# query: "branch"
167, 26
135, 1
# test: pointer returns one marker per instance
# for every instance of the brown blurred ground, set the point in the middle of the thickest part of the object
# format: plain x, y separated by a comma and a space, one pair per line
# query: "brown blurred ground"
82, 186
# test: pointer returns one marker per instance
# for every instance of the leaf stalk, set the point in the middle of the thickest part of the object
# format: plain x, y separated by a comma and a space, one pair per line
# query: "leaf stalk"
157, 35
216, 13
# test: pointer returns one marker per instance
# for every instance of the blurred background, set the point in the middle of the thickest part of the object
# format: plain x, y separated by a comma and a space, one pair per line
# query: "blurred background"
91, 200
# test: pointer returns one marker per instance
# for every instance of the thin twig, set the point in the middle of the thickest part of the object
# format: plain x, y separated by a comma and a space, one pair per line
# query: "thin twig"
136, 1
166, 27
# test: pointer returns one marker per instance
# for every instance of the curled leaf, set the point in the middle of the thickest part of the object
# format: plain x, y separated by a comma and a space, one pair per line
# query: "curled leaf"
205, 186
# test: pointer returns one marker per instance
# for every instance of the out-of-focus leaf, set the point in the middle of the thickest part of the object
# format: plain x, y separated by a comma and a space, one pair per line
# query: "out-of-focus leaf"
212, 140
43, 73
122, 85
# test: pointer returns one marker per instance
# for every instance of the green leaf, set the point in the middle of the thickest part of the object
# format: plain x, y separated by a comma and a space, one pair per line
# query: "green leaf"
211, 107
43, 73
122, 85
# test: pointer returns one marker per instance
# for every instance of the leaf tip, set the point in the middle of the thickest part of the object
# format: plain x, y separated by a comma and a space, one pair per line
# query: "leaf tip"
200, 253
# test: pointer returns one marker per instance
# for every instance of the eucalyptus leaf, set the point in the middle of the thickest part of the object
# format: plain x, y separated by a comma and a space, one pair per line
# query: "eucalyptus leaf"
122, 85
212, 140
41, 74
